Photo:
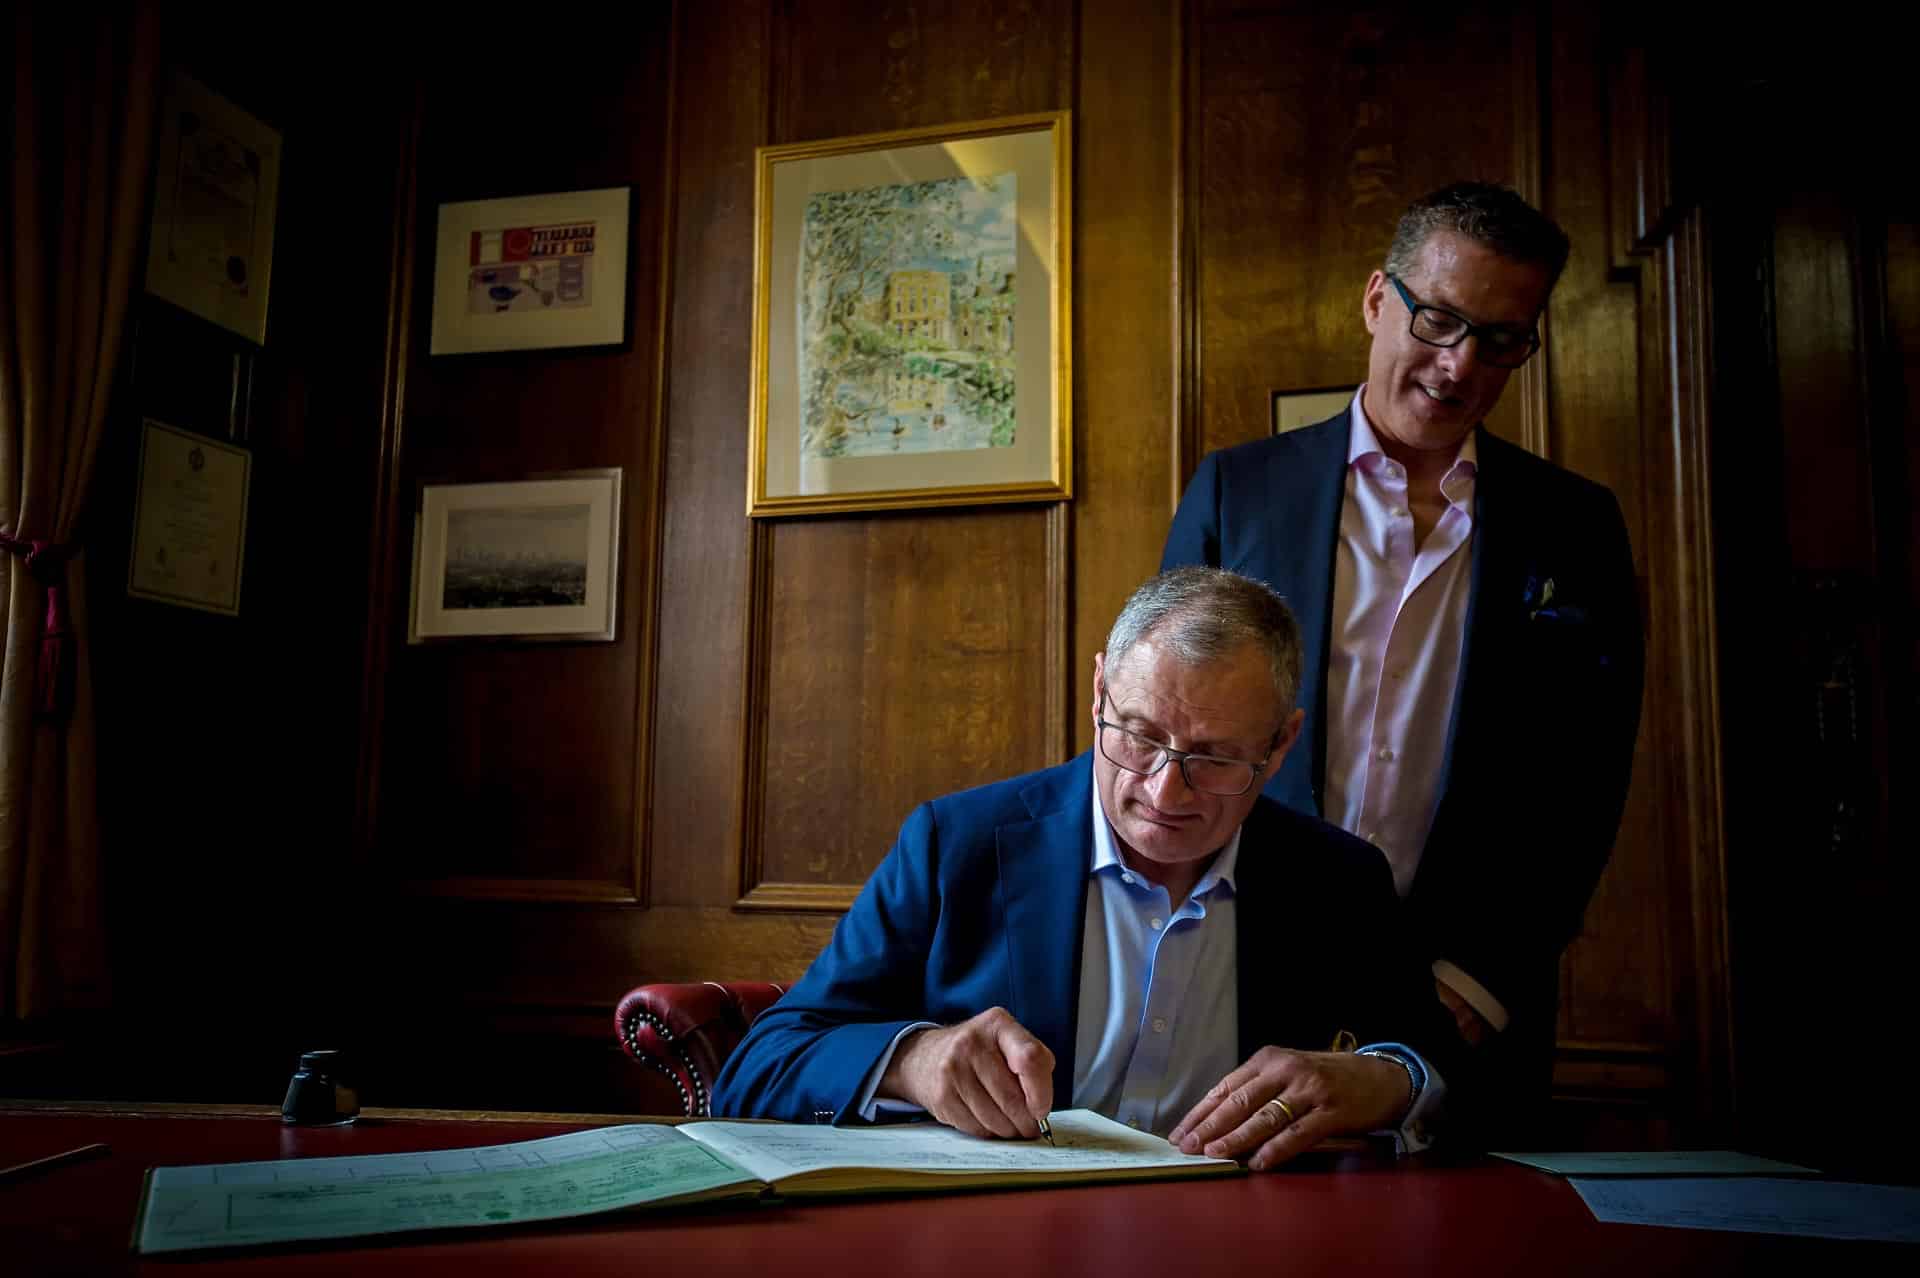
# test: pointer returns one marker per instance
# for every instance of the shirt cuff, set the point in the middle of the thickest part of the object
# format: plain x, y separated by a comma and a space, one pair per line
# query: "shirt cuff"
1490, 1008
866, 1105
1415, 1132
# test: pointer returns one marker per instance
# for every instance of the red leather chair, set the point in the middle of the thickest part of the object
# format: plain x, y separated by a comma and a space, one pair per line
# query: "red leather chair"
687, 1031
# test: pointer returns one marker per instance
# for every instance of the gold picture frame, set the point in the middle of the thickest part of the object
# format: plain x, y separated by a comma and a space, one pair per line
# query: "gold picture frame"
912, 319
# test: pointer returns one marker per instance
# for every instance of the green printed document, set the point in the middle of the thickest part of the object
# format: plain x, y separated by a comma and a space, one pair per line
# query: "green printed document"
615, 1168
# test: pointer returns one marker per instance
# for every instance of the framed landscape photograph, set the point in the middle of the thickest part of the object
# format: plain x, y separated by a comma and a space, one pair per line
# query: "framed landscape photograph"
531, 272
216, 188
531, 559
911, 327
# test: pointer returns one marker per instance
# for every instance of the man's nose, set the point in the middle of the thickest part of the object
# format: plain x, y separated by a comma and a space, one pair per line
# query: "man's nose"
1169, 785
1458, 360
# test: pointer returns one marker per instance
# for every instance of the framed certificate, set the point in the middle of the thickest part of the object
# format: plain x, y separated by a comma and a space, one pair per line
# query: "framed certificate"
189, 520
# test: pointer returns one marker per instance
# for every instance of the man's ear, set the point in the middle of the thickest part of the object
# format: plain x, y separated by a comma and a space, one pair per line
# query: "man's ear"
1289, 733
1373, 298
1099, 679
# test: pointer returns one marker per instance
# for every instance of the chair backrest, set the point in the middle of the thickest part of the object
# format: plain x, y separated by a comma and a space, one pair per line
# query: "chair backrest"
687, 1031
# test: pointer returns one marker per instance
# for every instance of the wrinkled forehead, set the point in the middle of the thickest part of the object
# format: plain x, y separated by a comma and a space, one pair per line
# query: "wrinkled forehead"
1229, 699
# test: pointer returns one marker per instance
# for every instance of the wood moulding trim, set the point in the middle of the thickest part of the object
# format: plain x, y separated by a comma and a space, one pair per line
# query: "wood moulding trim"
837, 898
381, 538
1702, 794
646, 607
1187, 439
557, 891
1529, 90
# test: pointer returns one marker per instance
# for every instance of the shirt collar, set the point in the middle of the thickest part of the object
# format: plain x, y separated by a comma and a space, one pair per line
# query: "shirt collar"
1106, 853
1362, 445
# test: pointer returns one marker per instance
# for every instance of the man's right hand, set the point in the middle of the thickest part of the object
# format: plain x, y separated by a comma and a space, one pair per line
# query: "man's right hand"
986, 1076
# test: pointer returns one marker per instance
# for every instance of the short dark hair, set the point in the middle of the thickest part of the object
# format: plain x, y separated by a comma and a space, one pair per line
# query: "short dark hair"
1207, 614
1489, 214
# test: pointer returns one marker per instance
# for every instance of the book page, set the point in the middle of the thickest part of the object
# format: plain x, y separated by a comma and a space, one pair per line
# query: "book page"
298, 1199
1085, 1145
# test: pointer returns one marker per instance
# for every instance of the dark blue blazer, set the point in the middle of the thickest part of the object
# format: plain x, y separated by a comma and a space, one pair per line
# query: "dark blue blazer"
1540, 741
981, 904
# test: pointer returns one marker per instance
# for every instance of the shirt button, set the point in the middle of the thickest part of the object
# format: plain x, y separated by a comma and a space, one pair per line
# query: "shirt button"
1125, 877
1398, 512
1155, 923
1159, 1025
1385, 755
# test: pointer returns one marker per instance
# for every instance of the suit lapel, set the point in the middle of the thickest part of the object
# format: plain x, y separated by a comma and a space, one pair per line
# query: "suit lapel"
1043, 881
1498, 583
1309, 483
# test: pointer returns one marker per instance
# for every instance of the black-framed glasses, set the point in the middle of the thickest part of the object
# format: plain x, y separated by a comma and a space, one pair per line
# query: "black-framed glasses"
1501, 345
1207, 773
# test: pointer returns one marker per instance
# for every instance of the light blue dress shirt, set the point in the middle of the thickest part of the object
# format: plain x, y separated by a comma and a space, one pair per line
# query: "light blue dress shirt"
1159, 1008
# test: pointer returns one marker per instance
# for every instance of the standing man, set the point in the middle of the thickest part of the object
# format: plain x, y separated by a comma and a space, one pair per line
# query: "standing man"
1138, 931
1472, 632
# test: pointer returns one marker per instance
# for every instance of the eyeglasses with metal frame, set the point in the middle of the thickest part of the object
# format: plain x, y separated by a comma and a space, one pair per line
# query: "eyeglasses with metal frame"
1501, 345
1206, 773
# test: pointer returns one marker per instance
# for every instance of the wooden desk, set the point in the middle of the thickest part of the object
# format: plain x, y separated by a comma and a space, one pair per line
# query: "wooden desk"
1482, 1219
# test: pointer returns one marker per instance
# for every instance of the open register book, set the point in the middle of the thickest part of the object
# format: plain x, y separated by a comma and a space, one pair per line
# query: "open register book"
614, 1168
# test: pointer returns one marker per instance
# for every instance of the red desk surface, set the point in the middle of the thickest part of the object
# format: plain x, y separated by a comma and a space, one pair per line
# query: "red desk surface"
1479, 1219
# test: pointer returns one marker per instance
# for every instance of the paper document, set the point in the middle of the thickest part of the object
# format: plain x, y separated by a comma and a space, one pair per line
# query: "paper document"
1756, 1205
1662, 1162
242, 1204
631, 1166
1084, 1142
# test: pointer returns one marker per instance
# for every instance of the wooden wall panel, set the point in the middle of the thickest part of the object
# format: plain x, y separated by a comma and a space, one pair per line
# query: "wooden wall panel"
695, 811
1130, 190
1617, 976
511, 765
1315, 127
911, 660
902, 656
853, 66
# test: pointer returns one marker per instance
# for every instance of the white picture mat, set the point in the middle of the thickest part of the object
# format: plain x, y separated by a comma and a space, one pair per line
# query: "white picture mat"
1030, 156
594, 619
604, 323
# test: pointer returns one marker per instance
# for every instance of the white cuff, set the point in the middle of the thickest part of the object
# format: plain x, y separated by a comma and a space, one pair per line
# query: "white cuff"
1473, 992
865, 1104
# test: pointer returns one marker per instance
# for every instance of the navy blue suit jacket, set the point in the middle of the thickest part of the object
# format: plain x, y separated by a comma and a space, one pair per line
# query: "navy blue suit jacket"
1540, 742
981, 904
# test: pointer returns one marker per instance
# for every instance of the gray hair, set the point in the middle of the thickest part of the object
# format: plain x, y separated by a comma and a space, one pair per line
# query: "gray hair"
1203, 615
1492, 216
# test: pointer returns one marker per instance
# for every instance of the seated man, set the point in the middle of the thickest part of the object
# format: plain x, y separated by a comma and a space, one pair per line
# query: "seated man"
1137, 932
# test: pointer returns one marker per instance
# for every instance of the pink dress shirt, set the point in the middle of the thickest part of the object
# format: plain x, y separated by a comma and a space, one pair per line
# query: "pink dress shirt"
1393, 662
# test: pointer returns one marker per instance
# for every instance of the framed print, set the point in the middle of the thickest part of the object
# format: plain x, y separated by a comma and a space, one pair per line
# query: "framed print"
210, 247
1294, 409
911, 327
531, 559
531, 272
189, 520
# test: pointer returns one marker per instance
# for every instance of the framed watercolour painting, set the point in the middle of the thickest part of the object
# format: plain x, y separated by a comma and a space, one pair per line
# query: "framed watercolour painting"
532, 559
217, 184
531, 272
911, 326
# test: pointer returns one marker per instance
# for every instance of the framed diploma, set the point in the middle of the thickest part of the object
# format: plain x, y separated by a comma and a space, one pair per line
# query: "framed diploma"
189, 520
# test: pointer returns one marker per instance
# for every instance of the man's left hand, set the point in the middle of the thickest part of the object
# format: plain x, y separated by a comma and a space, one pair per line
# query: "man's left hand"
1330, 1094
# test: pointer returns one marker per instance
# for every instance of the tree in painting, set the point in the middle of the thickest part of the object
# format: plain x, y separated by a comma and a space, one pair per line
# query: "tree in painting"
906, 318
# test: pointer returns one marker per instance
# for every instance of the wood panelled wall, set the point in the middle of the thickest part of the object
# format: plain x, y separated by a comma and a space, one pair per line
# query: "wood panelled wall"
535, 828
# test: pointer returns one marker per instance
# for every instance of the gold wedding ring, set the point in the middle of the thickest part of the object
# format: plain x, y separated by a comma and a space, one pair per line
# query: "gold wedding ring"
1277, 1103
